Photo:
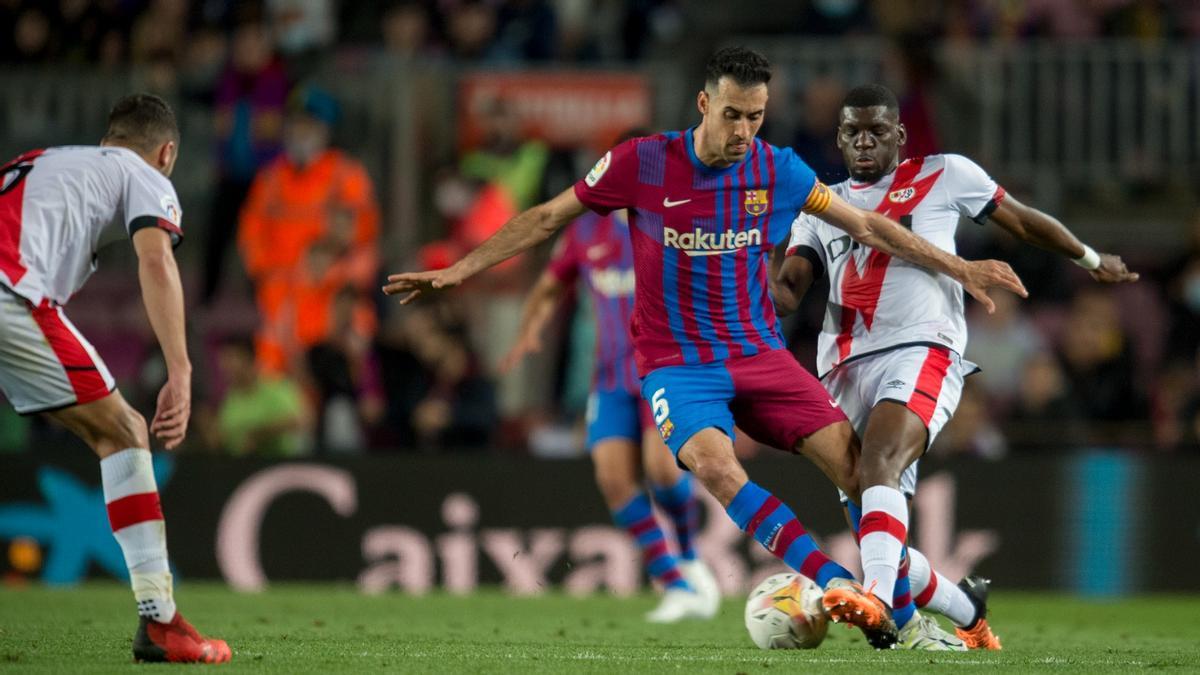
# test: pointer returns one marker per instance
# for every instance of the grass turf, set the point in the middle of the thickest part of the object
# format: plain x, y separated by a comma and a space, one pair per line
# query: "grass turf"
294, 629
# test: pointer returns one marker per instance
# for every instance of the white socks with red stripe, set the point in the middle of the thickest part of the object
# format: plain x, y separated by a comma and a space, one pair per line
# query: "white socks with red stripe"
881, 535
137, 522
936, 593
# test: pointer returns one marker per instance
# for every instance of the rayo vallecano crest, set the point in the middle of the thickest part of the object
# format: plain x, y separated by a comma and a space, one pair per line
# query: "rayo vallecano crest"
903, 195
757, 202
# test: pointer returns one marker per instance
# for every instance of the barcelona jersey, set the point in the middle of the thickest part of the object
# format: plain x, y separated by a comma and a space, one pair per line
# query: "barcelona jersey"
701, 239
597, 249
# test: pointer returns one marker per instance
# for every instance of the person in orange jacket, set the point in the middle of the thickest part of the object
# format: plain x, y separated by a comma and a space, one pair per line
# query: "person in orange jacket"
311, 193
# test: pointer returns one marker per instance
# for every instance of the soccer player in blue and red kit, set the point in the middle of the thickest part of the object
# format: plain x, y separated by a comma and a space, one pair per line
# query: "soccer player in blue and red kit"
707, 207
621, 436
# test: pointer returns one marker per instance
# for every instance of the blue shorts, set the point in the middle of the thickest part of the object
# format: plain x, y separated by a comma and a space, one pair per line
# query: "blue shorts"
615, 413
770, 396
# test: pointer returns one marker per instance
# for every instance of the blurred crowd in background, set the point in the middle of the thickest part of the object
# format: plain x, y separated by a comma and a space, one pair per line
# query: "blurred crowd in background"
196, 34
296, 351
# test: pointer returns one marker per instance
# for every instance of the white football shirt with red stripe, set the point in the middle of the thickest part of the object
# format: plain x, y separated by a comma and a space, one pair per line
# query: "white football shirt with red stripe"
59, 205
876, 302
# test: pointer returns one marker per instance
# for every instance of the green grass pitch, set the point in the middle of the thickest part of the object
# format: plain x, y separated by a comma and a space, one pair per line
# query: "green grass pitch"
324, 629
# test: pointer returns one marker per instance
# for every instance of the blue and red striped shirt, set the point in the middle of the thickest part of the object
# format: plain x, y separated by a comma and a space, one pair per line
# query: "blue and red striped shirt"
598, 249
701, 239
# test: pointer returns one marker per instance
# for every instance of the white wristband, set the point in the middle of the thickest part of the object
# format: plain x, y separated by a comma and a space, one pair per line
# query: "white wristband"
1090, 260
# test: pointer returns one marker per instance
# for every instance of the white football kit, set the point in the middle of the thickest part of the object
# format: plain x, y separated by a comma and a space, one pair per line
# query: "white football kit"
893, 330
57, 207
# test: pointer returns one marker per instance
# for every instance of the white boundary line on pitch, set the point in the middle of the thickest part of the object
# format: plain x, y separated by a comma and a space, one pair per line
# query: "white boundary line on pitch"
797, 656
713, 658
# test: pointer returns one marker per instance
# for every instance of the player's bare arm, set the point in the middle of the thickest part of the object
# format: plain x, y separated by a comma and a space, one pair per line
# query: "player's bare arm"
1045, 231
792, 281
535, 313
162, 294
884, 234
526, 230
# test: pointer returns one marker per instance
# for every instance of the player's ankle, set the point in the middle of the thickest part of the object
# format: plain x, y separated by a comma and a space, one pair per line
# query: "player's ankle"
157, 610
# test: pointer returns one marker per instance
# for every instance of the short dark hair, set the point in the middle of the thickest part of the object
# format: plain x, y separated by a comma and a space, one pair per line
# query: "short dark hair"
871, 95
746, 66
142, 121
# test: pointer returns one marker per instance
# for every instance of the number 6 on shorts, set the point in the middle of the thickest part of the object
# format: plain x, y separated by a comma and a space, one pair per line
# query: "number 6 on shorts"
658, 403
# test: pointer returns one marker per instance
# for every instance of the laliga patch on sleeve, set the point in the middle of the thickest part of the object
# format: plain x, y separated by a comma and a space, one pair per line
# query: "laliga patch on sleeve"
170, 208
599, 170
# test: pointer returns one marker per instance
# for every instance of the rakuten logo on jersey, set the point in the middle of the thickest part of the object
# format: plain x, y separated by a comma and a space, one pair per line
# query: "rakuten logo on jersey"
699, 242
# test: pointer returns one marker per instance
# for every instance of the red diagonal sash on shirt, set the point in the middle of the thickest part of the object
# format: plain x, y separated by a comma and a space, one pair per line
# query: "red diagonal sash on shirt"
861, 290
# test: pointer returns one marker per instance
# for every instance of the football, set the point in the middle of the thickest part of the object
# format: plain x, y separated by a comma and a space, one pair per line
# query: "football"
784, 612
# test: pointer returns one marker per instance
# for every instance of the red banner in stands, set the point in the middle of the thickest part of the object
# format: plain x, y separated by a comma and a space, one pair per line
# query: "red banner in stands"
564, 109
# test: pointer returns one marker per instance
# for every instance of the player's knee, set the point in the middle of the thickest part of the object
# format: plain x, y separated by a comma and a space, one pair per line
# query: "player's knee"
127, 429
616, 485
716, 468
883, 463
850, 483
846, 471
662, 470
662, 476
835, 449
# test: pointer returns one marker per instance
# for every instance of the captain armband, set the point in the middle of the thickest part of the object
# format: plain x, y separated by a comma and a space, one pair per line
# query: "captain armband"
819, 199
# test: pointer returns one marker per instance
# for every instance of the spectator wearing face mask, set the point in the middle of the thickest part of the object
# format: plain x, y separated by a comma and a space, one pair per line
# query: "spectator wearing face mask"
311, 193
304, 32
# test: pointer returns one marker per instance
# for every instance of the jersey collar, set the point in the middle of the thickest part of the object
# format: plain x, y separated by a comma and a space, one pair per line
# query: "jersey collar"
885, 181
705, 169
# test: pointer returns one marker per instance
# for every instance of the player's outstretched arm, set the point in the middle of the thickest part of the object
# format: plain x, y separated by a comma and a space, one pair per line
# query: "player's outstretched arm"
1045, 231
536, 311
162, 294
795, 277
884, 234
526, 230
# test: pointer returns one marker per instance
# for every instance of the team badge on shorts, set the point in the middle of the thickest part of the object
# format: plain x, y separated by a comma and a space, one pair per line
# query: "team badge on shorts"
757, 201
665, 430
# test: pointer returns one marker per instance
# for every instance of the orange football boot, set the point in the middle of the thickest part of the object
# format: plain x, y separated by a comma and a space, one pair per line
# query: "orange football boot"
847, 602
176, 642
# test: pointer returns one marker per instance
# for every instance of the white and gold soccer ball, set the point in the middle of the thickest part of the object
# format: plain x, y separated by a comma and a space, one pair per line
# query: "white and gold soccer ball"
784, 612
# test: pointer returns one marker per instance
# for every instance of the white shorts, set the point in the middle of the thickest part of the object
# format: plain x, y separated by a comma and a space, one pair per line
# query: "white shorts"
45, 363
927, 380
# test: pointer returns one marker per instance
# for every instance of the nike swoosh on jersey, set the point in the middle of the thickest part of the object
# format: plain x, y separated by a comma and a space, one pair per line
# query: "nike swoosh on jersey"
669, 204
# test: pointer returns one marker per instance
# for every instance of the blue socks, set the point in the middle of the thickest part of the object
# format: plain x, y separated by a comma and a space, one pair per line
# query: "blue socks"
637, 518
679, 501
761, 515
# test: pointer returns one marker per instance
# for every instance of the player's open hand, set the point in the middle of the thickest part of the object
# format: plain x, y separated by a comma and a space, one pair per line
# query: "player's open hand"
982, 275
1112, 270
416, 283
174, 408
